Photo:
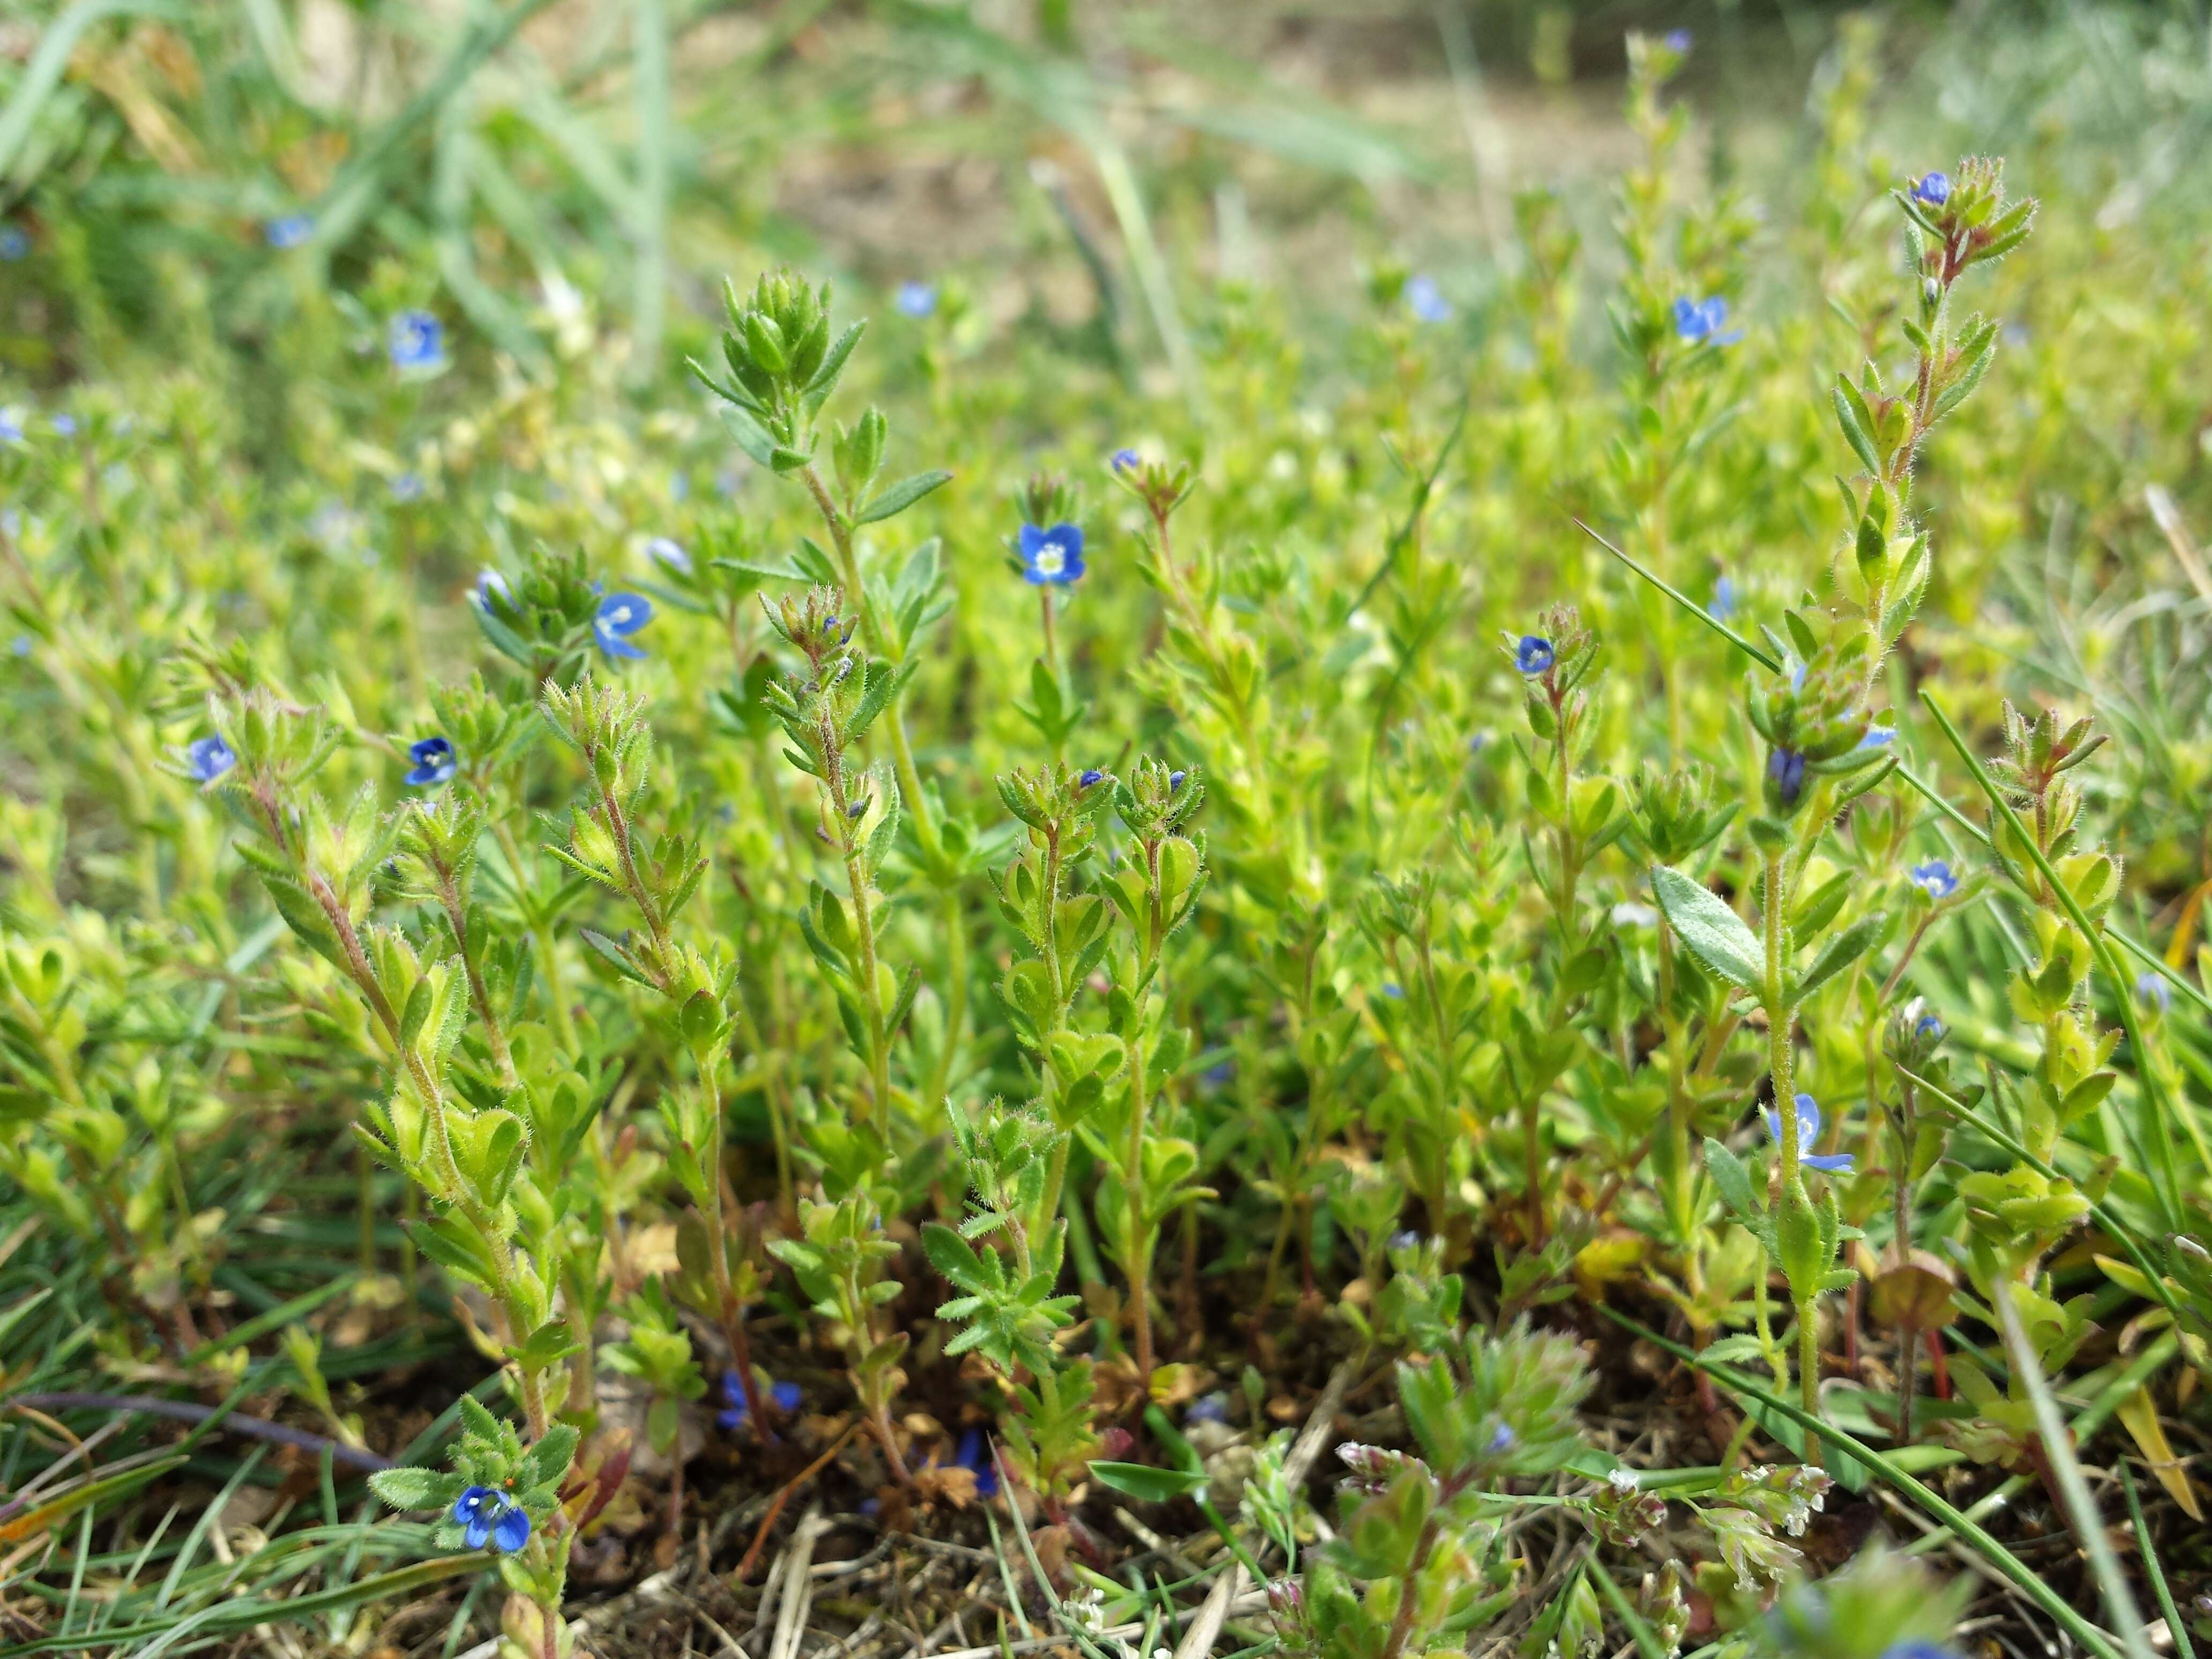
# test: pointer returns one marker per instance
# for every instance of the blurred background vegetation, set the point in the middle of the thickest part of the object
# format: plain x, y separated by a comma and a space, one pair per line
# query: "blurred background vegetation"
1075, 172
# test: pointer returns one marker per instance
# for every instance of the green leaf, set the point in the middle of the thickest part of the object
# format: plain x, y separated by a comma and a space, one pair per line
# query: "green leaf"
1143, 1482
1715, 935
1733, 1182
550, 1458
416, 1489
902, 496
1837, 954
747, 434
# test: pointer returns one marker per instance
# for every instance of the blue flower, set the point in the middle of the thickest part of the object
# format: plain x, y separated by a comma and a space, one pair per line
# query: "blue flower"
1208, 1408
416, 340
668, 551
1051, 557
1502, 1439
290, 231
1174, 780
1700, 321
1393, 990
1935, 878
1808, 1131
408, 487
1404, 1239
65, 426
1930, 1027
1722, 604
1919, 1648
434, 761
486, 1514
975, 1457
489, 583
1785, 768
621, 615
1427, 300
737, 1413
1090, 775
209, 758
1125, 460
14, 244
1534, 655
917, 299
1878, 737
1679, 40
1932, 189
11, 426
2153, 991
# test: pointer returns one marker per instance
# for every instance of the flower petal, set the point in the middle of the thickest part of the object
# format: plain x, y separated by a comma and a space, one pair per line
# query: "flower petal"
513, 1531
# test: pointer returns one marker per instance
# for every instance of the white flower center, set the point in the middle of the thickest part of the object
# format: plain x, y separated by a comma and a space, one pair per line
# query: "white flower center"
619, 618
1051, 559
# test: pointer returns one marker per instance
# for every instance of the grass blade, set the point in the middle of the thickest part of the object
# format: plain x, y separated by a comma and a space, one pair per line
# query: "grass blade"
2066, 1468
2096, 1640
2175, 1625
1685, 602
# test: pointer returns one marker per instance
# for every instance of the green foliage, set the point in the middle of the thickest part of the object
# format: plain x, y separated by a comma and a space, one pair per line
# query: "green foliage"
1035, 990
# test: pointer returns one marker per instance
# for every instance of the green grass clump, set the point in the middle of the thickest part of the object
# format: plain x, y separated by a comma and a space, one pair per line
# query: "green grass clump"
1519, 874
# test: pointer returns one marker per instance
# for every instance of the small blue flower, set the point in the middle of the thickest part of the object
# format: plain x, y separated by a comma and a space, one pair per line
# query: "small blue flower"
1088, 775
416, 340
737, 1413
434, 761
1051, 558
621, 615
1125, 460
65, 426
14, 244
490, 583
1502, 1440
1935, 878
668, 551
290, 231
1808, 1131
1703, 321
1919, 1648
408, 487
1208, 1408
1534, 654
1930, 1027
1393, 990
2153, 991
487, 1514
975, 1457
1427, 300
1786, 768
11, 426
1174, 780
917, 299
1679, 40
1932, 189
1404, 1239
209, 758
1878, 737
1221, 1074
1723, 602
